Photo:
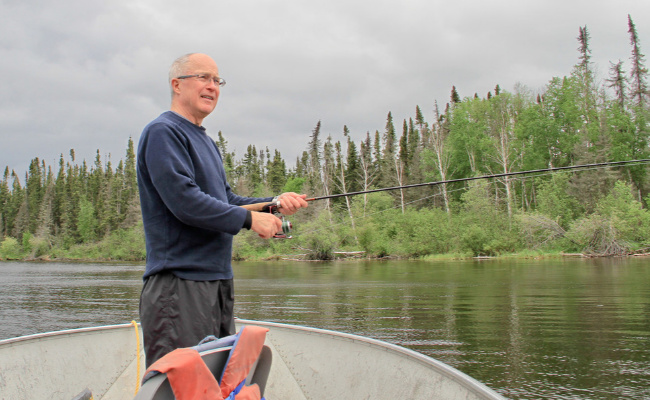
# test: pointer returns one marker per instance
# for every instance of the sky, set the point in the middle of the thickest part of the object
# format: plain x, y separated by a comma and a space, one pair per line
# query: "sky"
88, 75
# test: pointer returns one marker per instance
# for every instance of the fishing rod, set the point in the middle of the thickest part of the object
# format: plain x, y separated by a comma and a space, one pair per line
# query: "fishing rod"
273, 207
504, 174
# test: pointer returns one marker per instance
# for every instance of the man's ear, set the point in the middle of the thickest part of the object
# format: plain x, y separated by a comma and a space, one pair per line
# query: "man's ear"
175, 85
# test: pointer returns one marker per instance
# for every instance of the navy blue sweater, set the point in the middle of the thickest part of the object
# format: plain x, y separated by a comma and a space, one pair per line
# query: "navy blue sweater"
189, 212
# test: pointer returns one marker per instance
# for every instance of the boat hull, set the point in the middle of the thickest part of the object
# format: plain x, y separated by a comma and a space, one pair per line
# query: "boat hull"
307, 363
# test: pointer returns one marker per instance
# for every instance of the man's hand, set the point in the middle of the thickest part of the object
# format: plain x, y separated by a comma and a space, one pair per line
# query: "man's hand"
266, 225
291, 202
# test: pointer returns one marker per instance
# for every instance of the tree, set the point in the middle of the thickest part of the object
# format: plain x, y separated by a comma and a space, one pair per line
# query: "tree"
441, 158
277, 173
34, 191
343, 183
638, 73
45, 222
455, 97
388, 170
314, 177
87, 222
501, 130
352, 171
617, 81
5, 195
367, 168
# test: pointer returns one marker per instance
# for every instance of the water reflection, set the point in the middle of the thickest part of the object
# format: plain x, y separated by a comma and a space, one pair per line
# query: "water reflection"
562, 329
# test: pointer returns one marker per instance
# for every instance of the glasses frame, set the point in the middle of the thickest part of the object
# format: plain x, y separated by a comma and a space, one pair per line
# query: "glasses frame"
217, 80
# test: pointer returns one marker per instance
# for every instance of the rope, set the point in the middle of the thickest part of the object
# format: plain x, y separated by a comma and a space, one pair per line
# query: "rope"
137, 375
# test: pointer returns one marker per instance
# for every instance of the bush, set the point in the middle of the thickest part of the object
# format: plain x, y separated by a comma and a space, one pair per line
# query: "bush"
318, 238
10, 249
39, 246
619, 226
482, 228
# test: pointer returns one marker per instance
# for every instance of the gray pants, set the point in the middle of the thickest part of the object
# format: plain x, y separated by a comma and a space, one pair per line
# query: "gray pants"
176, 313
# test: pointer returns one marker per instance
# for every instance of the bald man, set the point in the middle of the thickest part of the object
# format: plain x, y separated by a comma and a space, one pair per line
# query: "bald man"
190, 216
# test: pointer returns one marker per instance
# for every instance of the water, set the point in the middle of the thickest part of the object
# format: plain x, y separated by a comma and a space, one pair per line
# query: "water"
560, 329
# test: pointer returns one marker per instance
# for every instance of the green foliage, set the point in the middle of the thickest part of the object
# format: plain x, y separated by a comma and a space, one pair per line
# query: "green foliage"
294, 184
627, 215
10, 249
86, 222
482, 228
554, 201
318, 239
619, 226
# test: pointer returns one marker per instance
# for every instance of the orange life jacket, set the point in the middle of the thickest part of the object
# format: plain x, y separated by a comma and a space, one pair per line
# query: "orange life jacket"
191, 379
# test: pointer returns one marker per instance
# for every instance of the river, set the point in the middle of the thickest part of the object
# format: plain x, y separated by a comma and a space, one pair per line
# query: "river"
530, 329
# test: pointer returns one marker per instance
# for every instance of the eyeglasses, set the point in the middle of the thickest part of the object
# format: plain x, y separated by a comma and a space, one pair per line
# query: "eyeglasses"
205, 78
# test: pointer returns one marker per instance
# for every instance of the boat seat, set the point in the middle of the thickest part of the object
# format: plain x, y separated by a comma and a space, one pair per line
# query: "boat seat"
158, 387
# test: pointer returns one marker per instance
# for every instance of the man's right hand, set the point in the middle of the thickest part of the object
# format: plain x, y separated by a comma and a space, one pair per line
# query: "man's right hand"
265, 224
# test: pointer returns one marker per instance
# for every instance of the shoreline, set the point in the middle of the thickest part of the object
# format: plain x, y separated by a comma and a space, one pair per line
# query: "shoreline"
347, 256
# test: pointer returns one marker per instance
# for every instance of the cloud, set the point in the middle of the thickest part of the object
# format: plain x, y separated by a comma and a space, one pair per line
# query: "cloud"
89, 75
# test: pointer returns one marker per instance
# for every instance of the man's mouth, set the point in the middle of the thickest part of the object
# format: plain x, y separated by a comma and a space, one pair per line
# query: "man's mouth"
207, 97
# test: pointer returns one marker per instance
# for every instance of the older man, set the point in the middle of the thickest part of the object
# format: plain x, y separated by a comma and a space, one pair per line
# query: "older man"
190, 216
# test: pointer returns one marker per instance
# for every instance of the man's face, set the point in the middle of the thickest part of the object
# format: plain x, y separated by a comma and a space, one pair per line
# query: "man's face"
196, 98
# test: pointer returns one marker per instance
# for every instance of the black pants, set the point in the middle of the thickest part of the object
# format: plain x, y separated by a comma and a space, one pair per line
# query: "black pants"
175, 312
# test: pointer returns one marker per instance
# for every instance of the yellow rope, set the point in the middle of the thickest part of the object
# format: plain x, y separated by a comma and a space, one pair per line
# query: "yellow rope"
137, 375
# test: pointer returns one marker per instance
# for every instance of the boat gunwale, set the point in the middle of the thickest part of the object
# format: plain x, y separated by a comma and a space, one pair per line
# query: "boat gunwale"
65, 332
469, 382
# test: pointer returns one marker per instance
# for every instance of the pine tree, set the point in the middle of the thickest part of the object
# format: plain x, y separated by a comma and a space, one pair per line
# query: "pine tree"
377, 154
328, 174
342, 181
277, 173
314, 165
34, 192
367, 168
586, 93
352, 172
639, 73
20, 209
404, 145
455, 97
60, 198
423, 128
5, 196
130, 176
45, 225
389, 157
617, 82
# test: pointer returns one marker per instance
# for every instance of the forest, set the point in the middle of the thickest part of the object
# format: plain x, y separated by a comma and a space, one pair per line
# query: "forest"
82, 211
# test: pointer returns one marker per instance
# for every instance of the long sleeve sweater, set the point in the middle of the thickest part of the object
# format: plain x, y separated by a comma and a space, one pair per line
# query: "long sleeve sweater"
189, 211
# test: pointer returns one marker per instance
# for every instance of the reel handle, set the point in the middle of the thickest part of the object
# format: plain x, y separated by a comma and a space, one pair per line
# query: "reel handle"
273, 208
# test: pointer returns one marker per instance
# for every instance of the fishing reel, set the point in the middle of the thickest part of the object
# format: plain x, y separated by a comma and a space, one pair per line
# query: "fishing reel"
273, 208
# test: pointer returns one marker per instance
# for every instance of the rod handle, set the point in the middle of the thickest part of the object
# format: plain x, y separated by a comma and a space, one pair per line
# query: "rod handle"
259, 207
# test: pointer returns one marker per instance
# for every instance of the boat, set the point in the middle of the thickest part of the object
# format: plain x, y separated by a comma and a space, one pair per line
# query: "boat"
107, 363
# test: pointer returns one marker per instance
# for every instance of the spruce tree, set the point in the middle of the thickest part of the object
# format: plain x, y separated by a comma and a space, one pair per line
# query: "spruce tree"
639, 72
314, 166
352, 172
455, 97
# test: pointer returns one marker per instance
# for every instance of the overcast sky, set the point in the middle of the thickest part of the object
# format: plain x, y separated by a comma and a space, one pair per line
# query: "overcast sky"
89, 74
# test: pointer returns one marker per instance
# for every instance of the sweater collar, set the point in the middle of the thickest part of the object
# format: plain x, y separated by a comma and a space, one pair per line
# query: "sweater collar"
190, 122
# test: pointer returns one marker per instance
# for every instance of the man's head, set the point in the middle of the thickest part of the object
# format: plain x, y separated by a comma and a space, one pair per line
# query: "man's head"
193, 79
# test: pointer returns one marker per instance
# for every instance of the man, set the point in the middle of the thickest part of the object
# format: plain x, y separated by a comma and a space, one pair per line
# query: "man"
190, 216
